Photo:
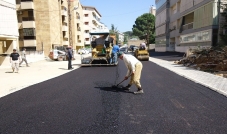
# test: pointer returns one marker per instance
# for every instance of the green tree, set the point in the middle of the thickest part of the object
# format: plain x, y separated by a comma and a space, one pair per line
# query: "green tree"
144, 28
125, 39
114, 31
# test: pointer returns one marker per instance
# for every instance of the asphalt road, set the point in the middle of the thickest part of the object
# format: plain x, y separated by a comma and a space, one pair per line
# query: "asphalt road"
83, 102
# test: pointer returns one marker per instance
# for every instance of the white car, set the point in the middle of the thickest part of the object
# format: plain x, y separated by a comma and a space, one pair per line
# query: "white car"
83, 51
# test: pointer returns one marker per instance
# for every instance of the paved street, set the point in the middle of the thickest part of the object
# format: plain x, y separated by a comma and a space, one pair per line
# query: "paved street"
82, 101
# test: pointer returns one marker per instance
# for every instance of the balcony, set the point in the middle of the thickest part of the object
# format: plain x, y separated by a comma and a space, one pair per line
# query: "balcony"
28, 22
187, 26
64, 19
65, 43
63, 12
86, 35
18, 7
87, 42
27, 4
30, 43
65, 35
64, 28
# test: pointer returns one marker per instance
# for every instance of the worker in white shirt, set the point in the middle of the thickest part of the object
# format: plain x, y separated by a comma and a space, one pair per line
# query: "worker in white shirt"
134, 67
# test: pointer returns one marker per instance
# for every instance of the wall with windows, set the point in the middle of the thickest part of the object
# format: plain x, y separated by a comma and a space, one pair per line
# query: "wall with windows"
160, 20
186, 4
159, 3
205, 15
160, 30
8, 18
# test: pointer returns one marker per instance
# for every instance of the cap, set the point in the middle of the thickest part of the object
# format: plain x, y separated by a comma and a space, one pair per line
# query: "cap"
119, 54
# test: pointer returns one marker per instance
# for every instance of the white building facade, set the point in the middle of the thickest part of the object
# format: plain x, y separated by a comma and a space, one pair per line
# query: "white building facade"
121, 38
8, 28
91, 19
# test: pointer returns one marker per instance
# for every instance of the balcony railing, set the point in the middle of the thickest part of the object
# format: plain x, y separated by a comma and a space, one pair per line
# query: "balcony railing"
187, 26
26, 0
78, 29
28, 19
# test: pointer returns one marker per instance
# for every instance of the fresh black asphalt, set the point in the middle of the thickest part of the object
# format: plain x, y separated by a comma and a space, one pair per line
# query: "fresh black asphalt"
83, 102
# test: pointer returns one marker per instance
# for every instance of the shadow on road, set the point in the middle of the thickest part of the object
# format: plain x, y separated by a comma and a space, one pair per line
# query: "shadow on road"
63, 68
116, 89
8, 72
169, 56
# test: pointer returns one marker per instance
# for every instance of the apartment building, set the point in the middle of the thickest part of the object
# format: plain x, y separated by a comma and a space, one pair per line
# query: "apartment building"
8, 29
77, 24
153, 10
121, 38
44, 24
184, 24
91, 19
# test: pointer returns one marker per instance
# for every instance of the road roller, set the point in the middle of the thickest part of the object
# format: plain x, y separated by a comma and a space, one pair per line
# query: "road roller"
142, 55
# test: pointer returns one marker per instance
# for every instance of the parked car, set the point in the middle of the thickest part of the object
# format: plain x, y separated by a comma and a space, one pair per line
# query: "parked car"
135, 48
83, 51
124, 49
57, 55
131, 48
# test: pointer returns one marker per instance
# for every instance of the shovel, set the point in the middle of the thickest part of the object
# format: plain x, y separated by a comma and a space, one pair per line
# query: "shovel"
116, 86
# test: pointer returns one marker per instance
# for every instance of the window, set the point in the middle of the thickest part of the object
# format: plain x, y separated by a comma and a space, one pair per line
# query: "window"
86, 23
30, 13
87, 39
86, 31
29, 31
86, 15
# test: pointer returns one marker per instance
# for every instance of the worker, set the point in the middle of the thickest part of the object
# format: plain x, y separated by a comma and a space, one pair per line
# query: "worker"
70, 56
134, 67
115, 50
142, 46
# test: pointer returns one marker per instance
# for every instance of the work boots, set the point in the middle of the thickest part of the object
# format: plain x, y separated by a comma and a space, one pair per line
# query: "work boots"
139, 91
127, 87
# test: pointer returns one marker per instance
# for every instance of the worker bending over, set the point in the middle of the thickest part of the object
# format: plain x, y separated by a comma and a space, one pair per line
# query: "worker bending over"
134, 67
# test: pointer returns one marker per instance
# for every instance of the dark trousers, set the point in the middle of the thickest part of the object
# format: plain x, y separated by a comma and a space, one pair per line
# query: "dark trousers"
70, 63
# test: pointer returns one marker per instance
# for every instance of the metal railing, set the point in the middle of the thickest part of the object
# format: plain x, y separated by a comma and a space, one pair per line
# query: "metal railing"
28, 19
187, 26
26, 0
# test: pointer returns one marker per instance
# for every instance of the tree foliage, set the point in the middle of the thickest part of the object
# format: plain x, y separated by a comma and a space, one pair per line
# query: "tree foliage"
114, 31
144, 27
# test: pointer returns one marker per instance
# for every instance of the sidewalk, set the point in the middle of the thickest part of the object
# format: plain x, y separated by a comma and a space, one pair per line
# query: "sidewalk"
37, 72
216, 83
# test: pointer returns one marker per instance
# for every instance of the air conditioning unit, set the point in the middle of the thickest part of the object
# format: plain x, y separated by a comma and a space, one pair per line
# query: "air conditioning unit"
19, 12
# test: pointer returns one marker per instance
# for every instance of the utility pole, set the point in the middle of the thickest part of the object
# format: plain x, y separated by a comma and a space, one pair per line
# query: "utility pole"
70, 28
70, 25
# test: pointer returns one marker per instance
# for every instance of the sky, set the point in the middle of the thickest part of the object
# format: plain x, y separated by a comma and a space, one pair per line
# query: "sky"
121, 13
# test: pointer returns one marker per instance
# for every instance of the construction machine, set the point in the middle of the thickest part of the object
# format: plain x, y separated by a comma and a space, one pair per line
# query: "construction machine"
101, 46
142, 54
